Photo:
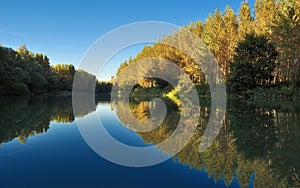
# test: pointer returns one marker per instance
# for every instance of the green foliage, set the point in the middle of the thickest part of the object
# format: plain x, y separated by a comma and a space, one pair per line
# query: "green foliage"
104, 87
14, 75
278, 21
37, 83
64, 75
253, 64
15, 88
24, 72
274, 93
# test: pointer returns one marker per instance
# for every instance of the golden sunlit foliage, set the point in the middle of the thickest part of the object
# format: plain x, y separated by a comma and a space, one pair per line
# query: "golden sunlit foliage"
277, 21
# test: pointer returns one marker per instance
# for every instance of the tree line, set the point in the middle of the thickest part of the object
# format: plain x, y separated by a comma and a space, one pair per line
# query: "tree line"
259, 50
23, 72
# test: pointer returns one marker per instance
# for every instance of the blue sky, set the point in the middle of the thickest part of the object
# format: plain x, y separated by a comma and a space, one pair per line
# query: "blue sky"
64, 30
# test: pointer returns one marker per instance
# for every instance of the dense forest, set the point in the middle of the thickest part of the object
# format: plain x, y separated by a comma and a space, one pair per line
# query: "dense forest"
23, 72
256, 52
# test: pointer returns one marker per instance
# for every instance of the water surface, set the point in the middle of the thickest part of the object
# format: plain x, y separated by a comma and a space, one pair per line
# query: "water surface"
258, 145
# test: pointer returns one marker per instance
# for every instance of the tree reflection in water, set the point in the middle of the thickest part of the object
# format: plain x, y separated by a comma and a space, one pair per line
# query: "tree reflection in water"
256, 141
22, 117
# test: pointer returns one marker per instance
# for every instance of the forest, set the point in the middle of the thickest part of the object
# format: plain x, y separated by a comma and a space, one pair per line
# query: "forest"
24, 72
258, 51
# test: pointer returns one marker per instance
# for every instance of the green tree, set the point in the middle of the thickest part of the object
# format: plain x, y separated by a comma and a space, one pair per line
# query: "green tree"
25, 53
253, 64
65, 75
44, 62
14, 75
23, 72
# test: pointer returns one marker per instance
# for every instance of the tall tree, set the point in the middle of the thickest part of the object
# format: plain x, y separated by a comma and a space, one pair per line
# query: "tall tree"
25, 53
196, 28
286, 37
244, 21
66, 75
265, 13
230, 37
213, 36
253, 64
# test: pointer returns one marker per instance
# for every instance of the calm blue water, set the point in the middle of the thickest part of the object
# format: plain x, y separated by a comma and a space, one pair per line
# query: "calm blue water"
60, 157
41, 146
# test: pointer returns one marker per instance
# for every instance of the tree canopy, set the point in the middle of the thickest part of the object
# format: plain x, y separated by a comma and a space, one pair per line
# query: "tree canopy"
253, 65
273, 22
24, 72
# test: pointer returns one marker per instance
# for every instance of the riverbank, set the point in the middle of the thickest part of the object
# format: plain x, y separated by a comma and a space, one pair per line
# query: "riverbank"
261, 95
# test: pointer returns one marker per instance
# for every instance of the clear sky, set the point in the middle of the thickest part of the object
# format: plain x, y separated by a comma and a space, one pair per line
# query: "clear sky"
65, 29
